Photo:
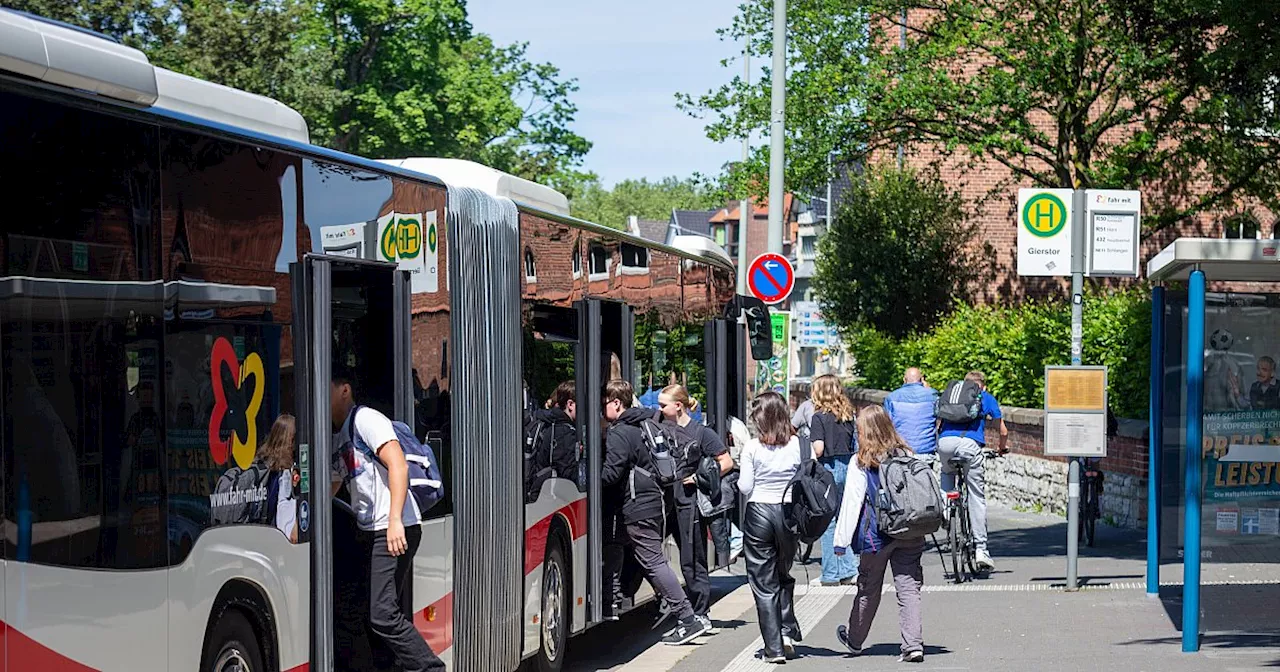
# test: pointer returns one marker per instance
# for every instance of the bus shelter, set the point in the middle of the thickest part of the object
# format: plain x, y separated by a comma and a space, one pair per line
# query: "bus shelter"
1214, 460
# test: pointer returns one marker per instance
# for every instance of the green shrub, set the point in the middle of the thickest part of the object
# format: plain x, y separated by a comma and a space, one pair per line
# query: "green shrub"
1013, 345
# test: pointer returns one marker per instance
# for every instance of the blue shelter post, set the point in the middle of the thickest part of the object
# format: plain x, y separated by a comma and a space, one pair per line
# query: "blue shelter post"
1155, 441
1194, 450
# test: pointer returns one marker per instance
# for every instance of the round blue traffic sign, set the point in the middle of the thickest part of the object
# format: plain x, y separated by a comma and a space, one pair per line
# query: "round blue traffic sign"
771, 278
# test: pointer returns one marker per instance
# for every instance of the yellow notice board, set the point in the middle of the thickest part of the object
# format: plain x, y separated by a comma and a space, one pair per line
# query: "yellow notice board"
1075, 388
1075, 411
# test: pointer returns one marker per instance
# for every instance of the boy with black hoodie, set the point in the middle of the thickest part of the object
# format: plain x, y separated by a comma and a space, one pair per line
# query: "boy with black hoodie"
628, 464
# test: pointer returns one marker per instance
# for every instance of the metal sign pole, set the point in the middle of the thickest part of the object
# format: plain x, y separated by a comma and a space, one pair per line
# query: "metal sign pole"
1077, 347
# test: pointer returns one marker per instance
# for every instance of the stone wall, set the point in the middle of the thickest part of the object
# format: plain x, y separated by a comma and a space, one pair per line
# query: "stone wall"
1028, 479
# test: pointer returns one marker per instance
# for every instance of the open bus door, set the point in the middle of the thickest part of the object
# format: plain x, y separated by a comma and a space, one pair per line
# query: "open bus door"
355, 314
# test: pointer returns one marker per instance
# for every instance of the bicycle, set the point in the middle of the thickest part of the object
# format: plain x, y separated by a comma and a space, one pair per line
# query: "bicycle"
960, 541
1090, 509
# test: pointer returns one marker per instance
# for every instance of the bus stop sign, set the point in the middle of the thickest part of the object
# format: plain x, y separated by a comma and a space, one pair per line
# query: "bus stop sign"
771, 278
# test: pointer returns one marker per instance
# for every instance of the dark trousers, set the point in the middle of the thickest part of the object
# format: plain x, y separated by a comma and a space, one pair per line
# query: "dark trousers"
691, 537
721, 534
613, 548
771, 549
391, 601
646, 541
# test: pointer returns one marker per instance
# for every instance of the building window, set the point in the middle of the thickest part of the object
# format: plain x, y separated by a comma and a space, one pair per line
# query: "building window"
1241, 226
635, 259
809, 246
530, 269
577, 261
598, 262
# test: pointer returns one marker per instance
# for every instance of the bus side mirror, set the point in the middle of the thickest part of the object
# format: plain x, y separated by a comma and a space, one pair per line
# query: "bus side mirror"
759, 328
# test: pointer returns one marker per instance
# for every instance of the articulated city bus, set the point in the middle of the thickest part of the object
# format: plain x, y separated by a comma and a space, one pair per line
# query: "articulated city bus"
181, 269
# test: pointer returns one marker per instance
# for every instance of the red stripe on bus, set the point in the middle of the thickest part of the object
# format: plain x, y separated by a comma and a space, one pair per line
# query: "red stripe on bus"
535, 538
435, 623
25, 653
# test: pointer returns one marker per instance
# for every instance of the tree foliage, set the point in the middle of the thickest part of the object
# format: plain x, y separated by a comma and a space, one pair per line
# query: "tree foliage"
384, 78
642, 198
1013, 345
1172, 96
897, 253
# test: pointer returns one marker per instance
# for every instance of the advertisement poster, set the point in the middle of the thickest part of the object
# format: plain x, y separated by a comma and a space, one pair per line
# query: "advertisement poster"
1241, 445
774, 373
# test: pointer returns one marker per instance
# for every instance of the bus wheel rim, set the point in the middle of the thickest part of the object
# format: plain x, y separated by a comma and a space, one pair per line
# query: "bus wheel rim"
552, 612
232, 660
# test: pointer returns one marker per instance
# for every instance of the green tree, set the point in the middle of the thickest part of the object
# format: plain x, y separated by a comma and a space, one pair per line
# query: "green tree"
642, 198
378, 78
1172, 96
897, 254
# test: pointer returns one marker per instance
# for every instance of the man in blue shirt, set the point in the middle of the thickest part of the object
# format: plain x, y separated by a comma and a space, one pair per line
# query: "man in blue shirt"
912, 409
968, 441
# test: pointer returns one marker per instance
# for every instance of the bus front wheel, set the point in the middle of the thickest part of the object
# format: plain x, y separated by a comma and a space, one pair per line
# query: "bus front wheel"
234, 646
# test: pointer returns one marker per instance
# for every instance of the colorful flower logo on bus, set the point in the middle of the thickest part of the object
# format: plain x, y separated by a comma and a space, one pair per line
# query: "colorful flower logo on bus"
236, 403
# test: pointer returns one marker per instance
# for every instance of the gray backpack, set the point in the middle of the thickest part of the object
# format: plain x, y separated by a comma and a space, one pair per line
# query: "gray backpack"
909, 504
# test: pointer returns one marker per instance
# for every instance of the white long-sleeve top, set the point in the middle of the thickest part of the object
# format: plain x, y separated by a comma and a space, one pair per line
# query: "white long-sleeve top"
855, 491
766, 470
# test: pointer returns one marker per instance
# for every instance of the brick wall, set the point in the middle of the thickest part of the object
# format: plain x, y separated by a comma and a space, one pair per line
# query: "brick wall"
989, 191
1026, 478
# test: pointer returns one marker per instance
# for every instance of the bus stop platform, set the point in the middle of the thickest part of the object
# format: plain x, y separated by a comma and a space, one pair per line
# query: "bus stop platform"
1017, 619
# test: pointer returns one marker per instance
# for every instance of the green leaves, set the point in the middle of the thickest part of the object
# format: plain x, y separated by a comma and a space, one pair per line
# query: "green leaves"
381, 78
1162, 95
897, 253
1013, 345
642, 198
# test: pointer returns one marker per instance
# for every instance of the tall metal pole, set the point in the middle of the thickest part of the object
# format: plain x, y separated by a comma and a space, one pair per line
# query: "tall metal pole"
744, 206
1077, 337
777, 127
1155, 434
1192, 480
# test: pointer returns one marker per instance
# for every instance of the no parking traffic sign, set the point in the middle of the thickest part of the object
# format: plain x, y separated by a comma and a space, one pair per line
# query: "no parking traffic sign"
771, 278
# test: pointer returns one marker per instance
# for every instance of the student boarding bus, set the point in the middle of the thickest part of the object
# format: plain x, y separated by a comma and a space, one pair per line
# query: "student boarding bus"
181, 268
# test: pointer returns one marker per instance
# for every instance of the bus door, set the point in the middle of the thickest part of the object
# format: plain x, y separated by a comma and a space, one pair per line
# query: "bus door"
351, 315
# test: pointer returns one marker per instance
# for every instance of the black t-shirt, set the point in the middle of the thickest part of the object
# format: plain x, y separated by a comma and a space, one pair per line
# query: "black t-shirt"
836, 436
700, 441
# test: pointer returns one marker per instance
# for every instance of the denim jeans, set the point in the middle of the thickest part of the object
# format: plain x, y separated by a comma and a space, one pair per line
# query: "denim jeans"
836, 568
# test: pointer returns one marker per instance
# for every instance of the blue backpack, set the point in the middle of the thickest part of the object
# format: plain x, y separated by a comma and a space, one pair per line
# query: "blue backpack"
868, 539
425, 482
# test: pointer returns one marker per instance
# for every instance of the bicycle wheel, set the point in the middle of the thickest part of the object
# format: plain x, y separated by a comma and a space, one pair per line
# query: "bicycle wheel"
955, 542
970, 547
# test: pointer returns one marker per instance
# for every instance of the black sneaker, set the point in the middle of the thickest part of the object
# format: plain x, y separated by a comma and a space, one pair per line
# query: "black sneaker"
842, 634
685, 631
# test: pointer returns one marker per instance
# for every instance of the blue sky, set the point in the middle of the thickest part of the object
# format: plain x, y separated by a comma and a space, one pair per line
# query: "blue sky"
630, 59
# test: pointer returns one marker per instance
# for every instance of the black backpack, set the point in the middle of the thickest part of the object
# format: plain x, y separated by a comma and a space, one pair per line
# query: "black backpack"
666, 453
815, 497
961, 402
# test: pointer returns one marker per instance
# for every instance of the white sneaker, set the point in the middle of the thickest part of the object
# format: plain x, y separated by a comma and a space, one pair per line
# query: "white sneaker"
983, 560
711, 629
788, 647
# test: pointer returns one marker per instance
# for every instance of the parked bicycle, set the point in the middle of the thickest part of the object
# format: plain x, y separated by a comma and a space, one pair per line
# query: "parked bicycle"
960, 542
1090, 494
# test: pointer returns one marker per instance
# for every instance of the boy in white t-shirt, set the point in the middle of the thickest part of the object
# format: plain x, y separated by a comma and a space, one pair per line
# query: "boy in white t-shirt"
368, 458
